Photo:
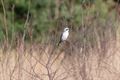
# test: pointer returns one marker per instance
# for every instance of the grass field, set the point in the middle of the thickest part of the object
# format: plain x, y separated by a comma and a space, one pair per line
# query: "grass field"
69, 61
30, 31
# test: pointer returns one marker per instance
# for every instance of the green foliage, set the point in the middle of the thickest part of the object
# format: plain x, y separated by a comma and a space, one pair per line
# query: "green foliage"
42, 15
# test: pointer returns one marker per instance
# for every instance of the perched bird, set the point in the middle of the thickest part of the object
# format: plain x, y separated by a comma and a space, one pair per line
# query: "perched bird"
64, 35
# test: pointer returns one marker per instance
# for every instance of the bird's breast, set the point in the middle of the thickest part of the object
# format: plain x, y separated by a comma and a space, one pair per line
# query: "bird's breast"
65, 35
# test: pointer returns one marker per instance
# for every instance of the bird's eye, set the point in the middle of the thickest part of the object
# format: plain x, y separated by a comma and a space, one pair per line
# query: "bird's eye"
67, 29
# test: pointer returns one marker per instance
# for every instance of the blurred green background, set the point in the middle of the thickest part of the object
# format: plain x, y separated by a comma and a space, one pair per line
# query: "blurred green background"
38, 19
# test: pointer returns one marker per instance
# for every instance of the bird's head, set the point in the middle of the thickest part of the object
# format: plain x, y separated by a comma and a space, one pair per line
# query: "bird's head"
66, 29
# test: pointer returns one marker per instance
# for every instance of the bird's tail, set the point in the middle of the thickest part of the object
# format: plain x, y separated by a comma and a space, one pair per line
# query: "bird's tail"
59, 42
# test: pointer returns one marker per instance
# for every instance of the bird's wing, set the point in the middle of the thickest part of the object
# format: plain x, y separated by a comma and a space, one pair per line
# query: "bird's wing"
60, 40
61, 37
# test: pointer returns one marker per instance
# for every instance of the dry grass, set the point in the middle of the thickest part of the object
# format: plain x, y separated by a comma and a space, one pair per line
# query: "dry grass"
55, 63
91, 53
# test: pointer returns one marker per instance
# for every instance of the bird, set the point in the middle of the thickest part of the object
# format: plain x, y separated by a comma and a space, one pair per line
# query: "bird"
64, 35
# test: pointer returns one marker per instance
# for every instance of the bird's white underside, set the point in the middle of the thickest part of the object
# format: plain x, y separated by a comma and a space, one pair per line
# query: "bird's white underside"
65, 35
